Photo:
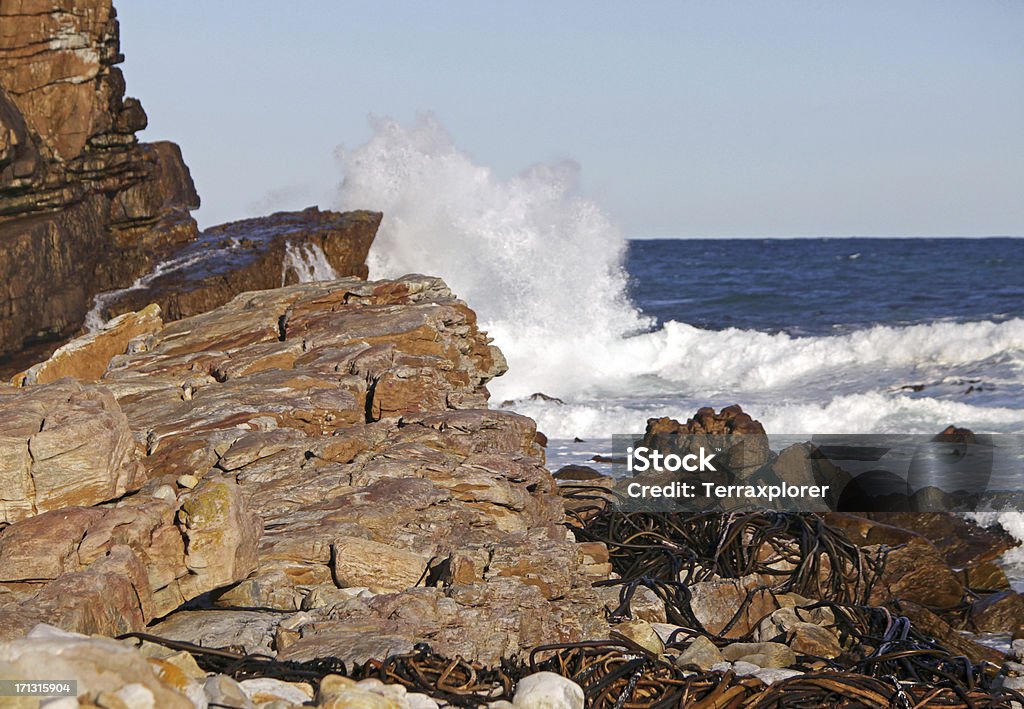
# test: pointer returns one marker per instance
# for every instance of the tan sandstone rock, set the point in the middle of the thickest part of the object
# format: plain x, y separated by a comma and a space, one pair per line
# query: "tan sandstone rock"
64, 444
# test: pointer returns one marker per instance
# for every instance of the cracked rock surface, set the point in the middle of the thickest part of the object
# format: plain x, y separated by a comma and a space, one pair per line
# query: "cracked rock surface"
320, 460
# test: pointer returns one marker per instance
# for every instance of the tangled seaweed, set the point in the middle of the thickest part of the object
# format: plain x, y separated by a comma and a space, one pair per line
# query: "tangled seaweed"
668, 552
612, 676
886, 663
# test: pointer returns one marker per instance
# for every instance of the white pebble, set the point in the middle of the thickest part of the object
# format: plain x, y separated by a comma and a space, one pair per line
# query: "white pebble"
547, 690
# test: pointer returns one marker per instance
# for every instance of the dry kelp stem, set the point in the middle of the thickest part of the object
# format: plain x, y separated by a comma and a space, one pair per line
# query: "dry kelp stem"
668, 552
457, 681
853, 690
614, 675
242, 665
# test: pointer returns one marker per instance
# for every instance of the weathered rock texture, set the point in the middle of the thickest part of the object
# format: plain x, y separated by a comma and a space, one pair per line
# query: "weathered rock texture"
84, 207
351, 418
86, 358
252, 254
741, 439
61, 445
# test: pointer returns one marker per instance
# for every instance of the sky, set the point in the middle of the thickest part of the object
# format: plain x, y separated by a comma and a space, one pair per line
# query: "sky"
702, 119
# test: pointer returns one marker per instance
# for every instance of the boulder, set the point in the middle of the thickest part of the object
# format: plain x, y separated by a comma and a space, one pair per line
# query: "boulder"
547, 690
101, 667
63, 444
112, 570
701, 653
770, 655
740, 440
914, 570
743, 602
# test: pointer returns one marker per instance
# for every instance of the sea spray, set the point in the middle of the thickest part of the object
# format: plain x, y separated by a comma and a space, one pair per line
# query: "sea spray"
95, 318
539, 263
309, 263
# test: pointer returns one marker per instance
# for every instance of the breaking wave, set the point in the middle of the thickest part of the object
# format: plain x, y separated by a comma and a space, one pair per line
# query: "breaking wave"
542, 266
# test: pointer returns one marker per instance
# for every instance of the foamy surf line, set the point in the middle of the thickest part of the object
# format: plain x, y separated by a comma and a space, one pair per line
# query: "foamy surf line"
542, 267
870, 412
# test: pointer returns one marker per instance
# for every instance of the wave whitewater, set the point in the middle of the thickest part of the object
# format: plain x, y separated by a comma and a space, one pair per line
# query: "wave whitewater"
542, 266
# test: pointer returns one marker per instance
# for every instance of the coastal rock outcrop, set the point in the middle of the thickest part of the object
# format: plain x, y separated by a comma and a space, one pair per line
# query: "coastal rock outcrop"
252, 254
84, 206
740, 439
347, 420
61, 445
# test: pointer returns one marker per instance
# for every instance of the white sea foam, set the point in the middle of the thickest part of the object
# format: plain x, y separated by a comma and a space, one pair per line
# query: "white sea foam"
309, 263
540, 264
94, 319
1013, 522
542, 267
868, 412
740, 359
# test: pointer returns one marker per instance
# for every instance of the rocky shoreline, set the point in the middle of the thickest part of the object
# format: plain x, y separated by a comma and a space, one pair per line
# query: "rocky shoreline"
260, 480
309, 477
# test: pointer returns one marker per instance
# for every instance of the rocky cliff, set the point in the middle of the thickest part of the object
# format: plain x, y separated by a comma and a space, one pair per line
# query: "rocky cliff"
84, 206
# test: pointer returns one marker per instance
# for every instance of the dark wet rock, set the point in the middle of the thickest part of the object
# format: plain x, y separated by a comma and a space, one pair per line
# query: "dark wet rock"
251, 254
953, 434
960, 540
577, 473
741, 440
914, 570
984, 577
927, 622
998, 612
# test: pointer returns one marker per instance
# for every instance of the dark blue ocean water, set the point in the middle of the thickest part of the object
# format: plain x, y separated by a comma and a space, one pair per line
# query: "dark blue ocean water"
814, 335
826, 286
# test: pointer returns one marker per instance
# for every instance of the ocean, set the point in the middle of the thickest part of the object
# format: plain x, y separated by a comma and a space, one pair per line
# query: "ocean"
852, 335
602, 332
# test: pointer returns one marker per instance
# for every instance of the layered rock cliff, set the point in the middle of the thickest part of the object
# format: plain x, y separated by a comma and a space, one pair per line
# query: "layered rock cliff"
84, 206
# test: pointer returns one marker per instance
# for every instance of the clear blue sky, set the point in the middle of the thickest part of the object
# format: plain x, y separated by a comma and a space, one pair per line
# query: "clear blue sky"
701, 118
